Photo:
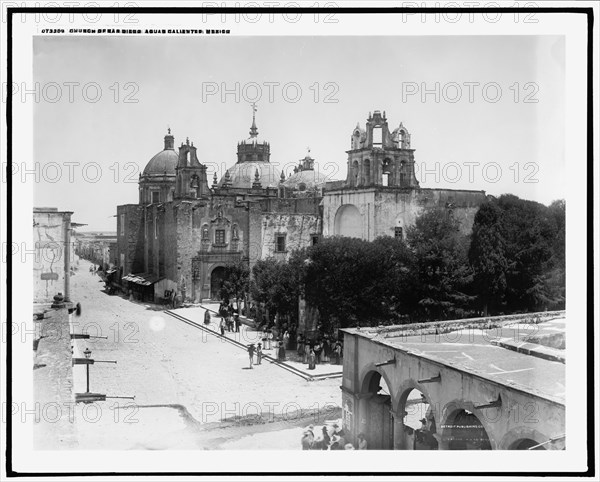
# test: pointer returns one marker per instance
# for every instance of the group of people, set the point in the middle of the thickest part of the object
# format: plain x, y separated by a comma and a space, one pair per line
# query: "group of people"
95, 269
319, 351
251, 350
332, 438
230, 319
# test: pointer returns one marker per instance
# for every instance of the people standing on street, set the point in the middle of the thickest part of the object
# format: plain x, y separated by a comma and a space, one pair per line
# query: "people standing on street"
311, 360
286, 340
206, 316
306, 351
338, 352
339, 431
269, 339
362, 441
326, 438
237, 323
258, 353
335, 443
317, 350
222, 326
307, 440
281, 352
300, 344
326, 347
251, 353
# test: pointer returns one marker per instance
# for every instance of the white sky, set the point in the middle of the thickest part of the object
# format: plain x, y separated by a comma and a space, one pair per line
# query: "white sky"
369, 73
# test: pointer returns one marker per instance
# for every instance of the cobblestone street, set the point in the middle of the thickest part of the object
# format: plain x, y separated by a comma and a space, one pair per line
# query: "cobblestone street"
192, 389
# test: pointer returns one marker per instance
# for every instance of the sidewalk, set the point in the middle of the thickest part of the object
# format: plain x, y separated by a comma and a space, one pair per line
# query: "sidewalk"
249, 335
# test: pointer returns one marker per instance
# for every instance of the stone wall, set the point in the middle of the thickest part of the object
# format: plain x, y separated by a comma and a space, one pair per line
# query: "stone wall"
130, 238
298, 229
384, 209
53, 251
54, 400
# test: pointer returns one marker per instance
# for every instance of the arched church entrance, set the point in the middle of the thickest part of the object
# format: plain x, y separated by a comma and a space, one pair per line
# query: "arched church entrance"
379, 429
348, 221
217, 276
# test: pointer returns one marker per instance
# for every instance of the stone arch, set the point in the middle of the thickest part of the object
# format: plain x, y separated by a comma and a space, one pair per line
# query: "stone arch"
449, 414
348, 221
369, 378
377, 421
407, 439
518, 437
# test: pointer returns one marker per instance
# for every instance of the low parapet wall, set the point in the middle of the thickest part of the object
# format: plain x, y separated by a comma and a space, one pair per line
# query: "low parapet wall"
488, 322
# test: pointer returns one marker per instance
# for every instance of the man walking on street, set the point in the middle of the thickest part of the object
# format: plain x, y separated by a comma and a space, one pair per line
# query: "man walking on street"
237, 323
258, 353
251, 353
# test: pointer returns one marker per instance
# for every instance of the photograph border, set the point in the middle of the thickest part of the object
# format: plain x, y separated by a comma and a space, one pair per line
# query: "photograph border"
589, 186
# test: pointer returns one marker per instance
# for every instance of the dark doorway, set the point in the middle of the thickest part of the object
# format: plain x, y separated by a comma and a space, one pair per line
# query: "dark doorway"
216, 280
466, 432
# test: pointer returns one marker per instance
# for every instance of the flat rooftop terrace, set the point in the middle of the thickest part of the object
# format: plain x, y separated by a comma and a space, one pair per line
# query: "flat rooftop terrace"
504, 351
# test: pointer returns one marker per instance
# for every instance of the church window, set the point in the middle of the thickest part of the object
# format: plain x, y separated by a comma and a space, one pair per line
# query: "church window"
385, 179
122, 219
398, 232
220, 236
280, 243
315, 239
377, 136
155, 228
155, 196
302, 187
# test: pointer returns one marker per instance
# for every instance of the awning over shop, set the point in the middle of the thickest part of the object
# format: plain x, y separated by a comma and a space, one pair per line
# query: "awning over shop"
144, 279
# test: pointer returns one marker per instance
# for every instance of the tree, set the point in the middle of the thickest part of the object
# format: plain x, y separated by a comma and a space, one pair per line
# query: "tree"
442, 274
517, 255
352, 281
487, 257
235, 283
277, 284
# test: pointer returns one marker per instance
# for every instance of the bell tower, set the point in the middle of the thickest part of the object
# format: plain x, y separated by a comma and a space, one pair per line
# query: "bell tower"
380, 158
191, 180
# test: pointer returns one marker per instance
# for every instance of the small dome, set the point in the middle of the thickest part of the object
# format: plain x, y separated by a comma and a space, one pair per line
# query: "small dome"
242, 175
163, 161
305, 180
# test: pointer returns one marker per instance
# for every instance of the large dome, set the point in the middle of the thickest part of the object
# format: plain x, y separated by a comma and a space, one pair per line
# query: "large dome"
242, 175
164, 161
305, 180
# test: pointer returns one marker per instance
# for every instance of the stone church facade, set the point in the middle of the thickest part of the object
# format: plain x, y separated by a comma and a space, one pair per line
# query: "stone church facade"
183, 232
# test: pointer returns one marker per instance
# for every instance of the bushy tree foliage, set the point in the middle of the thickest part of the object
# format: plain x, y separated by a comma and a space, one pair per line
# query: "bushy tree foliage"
277, 284
513, 261
442, 275
517, 254
236, 279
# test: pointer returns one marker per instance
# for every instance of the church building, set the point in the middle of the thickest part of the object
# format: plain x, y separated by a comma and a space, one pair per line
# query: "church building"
183, 232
